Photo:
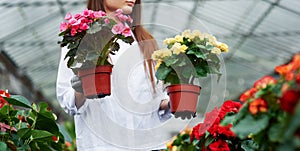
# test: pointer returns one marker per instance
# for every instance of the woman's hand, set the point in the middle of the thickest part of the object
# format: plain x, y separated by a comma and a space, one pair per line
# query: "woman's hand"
164, 105
164, 110
77, 86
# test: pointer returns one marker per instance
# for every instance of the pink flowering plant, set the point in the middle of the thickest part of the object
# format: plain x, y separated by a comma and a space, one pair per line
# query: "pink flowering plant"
91, 36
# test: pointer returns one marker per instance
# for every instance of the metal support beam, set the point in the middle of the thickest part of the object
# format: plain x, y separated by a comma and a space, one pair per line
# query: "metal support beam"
192, 12
27, 27
251, 30
61, 8
153, 16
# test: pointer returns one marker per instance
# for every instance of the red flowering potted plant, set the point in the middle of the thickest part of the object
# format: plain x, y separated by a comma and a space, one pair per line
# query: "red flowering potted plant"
266, 119
271, 110
187, 56
91, 36
29, 127
214, 134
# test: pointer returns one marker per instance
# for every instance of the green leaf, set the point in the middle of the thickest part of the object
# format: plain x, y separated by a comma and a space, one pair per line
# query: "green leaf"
209, 47
128, 40
47, 124
201, 46
243, 111
209, 140
91, 56
162, 72
73, 46
3, 146
115, 47
181, 63
213, 58
4, 110
253, 126
45, 111
198, 54
187, 72
13, 112
95, 27
214, 68
70, 62
170, 61
24, 133
177, 141
33, 146
186, 138
44, 146
172, 78
18, 100
34, 107
294, 124
62, 33
40, 134
296, 141
249, 145
228, 119
201, 71
276, 131
56, 146
188, 147
288, 146
71, 53
64, 132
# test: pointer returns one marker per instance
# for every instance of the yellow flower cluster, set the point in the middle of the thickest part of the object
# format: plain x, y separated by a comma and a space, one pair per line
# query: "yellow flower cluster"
176, 45
179, 38
212, 40
216, 50
161, 54
169, 41
223, 47
177, 48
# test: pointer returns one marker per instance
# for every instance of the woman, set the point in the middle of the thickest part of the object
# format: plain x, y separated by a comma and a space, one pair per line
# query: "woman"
128, 119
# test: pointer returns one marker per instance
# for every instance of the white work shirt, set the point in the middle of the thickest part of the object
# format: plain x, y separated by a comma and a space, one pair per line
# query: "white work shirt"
128, 119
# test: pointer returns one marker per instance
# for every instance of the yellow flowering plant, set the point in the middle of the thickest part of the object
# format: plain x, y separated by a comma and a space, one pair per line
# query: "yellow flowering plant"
188, 56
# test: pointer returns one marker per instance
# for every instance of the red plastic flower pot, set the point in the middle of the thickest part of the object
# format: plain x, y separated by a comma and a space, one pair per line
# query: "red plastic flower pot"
96, 81
183, 97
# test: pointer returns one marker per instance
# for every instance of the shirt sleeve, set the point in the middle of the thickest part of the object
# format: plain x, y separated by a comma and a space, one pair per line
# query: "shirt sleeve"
64, 91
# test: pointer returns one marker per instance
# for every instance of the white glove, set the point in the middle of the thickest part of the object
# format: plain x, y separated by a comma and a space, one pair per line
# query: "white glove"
76, 84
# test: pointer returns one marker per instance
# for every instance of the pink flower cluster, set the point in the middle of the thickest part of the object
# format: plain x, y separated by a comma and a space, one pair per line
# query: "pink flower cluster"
4, 127
123, 18
120, 28
81, 21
